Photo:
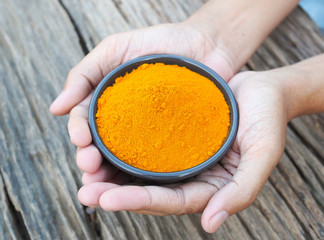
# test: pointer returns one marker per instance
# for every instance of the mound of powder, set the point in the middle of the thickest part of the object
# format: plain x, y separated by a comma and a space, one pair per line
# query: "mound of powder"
163, 118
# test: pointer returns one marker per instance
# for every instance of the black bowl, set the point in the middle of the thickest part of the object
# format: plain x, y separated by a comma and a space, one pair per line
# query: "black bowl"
171, 60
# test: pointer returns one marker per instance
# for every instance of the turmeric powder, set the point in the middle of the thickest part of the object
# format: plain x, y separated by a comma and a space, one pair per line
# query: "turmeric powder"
162, 118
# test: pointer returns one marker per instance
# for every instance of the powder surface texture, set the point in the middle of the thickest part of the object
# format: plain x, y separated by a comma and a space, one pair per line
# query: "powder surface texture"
163, 118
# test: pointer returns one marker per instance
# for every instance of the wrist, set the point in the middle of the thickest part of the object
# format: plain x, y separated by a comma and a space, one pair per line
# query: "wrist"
303, 86
237, 28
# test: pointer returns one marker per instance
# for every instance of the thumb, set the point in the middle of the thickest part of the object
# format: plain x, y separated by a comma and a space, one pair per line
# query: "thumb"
252, 173
80, 81
85, 76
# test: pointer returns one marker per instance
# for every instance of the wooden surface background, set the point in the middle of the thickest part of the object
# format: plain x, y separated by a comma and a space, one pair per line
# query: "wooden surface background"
41, 40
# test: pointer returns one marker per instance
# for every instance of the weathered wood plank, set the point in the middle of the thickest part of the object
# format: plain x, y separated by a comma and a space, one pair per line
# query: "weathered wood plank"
301, 197
308, 165
36, 161
39, 177
281, 48
311, 131
130, 15
97, 19
11, 224
286, 45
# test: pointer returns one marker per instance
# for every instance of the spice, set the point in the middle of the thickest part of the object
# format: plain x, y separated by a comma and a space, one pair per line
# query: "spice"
162, 118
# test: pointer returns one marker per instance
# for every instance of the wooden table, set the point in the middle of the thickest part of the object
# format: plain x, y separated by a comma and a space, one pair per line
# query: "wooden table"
41, 40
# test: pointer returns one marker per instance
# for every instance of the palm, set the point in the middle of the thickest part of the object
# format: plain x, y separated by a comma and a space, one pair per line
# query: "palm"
170, 39
115, 50
261, 129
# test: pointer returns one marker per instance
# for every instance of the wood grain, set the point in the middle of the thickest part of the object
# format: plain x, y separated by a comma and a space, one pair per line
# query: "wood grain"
37, 160
41, 40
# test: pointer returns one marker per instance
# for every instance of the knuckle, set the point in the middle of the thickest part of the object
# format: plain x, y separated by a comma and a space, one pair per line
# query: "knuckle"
186, 205
245, 196
71, 73
149, 202
189, 210
248, 198
182, 207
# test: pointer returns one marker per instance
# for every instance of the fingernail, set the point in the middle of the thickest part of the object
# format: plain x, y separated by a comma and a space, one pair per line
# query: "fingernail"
217, 220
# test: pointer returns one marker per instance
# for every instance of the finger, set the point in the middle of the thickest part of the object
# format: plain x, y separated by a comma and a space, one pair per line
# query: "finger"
253, 171
81, 80
85, 76
89, 195
89, 159
103, 174
149, 213
158, 200
78, 126
221, 63
216, 176
231, 161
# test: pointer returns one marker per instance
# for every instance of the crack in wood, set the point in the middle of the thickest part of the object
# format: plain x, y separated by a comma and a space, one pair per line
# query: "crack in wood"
303, 193
76, 28
300, 173
18, 218
305, 180
249, 66
246, 227
265, 214
158, 12
117, 4
91, 214
195, 222
313, 171
307, 234
305, 141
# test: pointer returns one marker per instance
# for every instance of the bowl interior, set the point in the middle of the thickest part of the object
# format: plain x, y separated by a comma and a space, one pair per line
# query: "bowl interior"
192, 65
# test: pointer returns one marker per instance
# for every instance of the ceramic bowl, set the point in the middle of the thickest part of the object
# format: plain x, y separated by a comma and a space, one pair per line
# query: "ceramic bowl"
166, 59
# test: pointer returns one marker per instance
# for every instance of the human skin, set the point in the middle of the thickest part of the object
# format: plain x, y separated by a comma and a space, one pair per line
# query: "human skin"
238, 29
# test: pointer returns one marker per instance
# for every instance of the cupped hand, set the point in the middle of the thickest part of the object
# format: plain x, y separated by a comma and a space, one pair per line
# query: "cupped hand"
180, 39
227, 188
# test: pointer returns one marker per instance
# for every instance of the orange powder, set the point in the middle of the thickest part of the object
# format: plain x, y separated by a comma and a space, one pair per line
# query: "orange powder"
162, 118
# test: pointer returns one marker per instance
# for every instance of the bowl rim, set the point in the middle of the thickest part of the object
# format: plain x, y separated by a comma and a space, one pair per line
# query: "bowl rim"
164, 176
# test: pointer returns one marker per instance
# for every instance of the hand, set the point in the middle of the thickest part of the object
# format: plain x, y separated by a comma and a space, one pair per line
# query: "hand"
230, 186
180, 39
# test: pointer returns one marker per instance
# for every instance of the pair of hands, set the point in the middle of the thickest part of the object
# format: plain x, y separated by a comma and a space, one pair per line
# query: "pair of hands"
227, 188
